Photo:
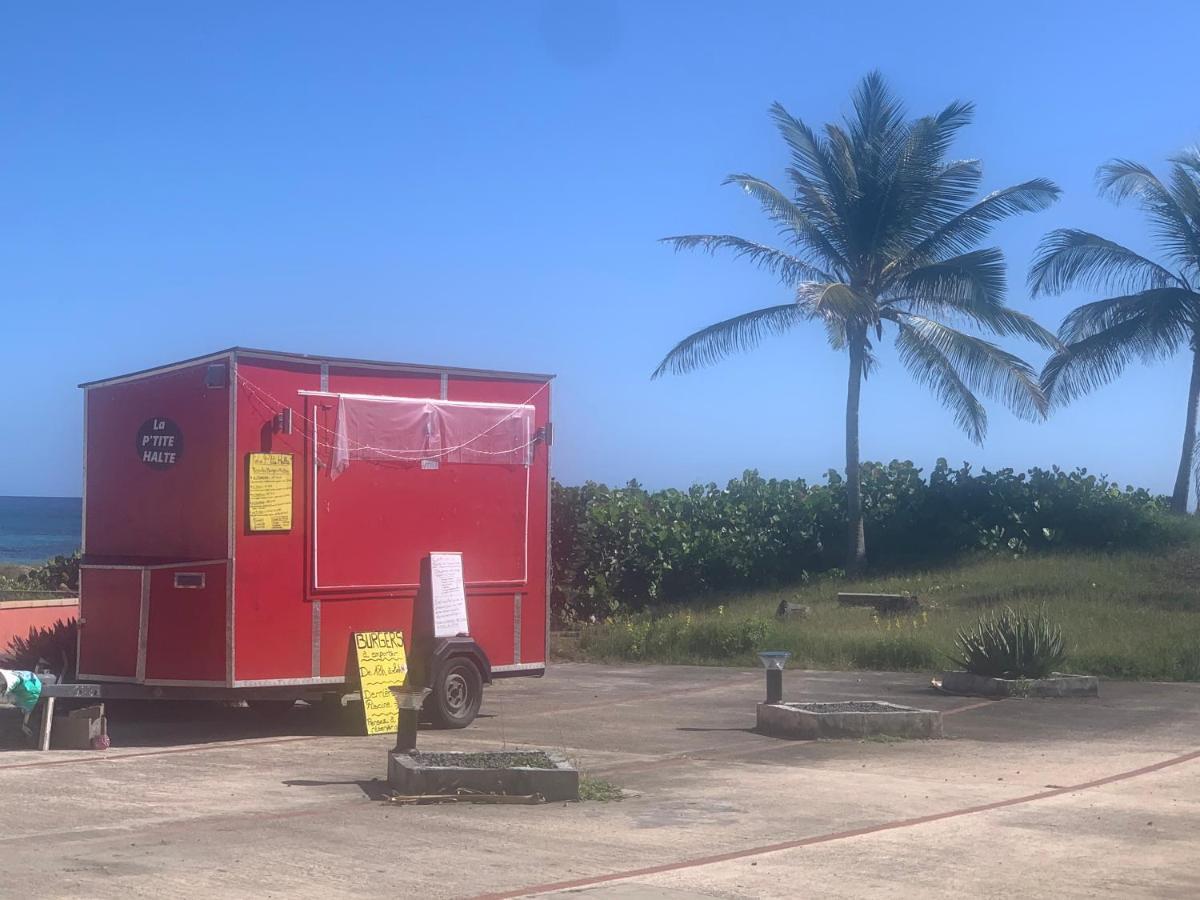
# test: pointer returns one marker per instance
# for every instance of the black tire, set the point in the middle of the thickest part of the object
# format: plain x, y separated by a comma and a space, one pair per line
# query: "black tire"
457, 693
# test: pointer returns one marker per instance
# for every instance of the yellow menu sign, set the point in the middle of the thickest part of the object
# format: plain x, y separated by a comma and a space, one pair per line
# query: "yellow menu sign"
270, 492
381, 665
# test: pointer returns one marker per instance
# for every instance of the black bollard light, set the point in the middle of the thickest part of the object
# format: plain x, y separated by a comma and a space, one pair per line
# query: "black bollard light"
409, 701
774, 661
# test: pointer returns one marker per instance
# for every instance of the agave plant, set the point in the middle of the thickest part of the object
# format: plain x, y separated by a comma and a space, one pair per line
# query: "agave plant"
53, 645
881, 232
1011, 644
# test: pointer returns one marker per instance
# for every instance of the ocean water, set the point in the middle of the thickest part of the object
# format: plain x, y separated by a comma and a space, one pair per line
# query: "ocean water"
33, 529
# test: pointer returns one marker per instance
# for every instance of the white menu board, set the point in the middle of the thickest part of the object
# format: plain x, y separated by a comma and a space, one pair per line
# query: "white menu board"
449, 594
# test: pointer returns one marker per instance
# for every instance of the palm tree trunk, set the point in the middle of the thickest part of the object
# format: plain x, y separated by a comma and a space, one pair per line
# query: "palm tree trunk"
856, 547
1183, 479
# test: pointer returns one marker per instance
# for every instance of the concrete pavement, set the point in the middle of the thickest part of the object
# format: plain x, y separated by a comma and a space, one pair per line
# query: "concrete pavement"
1054, 798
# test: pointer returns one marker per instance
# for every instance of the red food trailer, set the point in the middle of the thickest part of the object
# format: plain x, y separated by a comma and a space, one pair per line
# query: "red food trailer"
246, 512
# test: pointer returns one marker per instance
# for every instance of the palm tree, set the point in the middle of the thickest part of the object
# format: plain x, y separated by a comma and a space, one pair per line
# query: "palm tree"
881, 231
1156, 311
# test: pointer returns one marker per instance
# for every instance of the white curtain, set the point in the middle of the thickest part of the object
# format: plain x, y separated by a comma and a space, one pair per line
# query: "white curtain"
406, 430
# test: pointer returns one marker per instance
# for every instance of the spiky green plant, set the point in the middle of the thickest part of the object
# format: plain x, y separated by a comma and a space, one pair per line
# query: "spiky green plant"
1011, 644
882, 233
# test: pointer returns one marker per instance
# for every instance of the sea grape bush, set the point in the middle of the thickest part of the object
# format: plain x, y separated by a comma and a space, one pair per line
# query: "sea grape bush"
625, 549
58, 574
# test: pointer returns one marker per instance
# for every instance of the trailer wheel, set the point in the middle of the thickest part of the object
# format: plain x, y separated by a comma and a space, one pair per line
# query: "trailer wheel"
457, 693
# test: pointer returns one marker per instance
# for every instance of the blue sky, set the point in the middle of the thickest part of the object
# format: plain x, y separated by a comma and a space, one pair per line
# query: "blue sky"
484, 184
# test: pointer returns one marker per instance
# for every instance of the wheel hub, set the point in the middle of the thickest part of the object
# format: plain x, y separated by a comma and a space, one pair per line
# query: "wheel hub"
456, 692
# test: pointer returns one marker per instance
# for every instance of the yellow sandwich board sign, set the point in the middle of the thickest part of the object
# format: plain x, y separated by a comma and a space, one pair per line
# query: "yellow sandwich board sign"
381, 665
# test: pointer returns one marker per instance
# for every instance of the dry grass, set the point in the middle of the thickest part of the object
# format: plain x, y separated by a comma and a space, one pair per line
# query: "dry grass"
1125, 615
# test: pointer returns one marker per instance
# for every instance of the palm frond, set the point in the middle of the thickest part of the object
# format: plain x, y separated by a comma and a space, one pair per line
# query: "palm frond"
929, 366
1112, 336
797, 222
878, 113
976, 278
745, 332
789, 269
1122, 179
1170, 310
1070, 258
837, 300
982, 366
811, 157
966, 229
968, 288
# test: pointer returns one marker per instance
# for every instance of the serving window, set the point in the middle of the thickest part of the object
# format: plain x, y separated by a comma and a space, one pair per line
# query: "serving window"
395, 478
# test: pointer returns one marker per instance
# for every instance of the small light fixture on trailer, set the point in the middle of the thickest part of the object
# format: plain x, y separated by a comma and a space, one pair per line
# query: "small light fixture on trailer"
774, 661
282, 422
216, 376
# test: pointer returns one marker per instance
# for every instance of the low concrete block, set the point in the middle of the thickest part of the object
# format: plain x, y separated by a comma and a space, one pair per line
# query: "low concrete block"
847, 719
1057, 685
408, 775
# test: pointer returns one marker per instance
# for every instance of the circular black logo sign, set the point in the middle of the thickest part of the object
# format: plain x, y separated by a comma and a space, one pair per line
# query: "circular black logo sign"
159, 443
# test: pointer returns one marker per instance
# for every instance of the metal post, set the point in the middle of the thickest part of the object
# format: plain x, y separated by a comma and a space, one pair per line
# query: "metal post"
409, 701
774, 685
406, 730
47, 721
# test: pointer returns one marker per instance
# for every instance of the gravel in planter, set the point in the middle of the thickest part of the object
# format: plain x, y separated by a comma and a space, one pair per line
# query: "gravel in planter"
532, 759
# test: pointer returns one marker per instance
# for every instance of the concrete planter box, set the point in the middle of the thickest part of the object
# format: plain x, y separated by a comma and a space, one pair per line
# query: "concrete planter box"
847, 719
1057, 685
410, 774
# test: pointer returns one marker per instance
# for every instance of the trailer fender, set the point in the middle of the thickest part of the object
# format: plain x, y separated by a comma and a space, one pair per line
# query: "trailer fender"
444, 649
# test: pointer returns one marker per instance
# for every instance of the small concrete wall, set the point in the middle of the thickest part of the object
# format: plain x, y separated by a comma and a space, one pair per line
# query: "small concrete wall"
18, 616
407, 777
808, 722
1055, 686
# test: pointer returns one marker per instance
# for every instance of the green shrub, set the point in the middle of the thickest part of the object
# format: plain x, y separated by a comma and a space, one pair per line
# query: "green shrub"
622, 550
1011, 644
58, 574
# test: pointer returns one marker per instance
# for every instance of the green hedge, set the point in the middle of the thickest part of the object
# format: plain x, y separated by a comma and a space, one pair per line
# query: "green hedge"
624, 549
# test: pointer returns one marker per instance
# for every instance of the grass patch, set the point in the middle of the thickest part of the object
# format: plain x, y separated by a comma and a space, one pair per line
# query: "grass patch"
1124, 615
598, 789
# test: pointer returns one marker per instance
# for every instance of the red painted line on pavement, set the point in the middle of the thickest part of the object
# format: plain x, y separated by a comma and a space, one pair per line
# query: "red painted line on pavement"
834, 836
101, 758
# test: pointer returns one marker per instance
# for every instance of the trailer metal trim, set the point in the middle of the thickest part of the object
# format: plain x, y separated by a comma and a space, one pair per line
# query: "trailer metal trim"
83, 505
391, 398
143, 626
341, 362
158, 370
520, 667
316, 601
116, 679
517, 627
548, 444
82, 522
167, 565
288, 682
231, 553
